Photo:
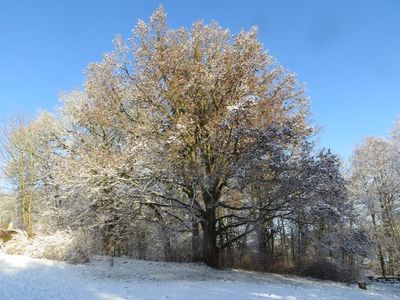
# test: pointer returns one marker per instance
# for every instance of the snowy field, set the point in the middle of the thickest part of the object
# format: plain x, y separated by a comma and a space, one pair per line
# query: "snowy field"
26, 278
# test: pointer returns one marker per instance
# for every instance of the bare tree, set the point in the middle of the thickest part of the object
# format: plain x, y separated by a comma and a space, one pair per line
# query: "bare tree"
375, 187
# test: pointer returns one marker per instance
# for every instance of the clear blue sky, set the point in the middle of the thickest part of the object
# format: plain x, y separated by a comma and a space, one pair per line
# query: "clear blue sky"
347, 52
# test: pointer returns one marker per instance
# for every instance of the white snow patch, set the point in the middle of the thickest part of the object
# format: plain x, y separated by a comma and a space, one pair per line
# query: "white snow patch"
23, 278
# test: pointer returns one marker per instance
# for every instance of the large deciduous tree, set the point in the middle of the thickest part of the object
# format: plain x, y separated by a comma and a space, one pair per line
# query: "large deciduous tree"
207, 103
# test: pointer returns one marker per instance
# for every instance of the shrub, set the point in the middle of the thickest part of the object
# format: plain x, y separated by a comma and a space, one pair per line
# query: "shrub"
61, 246
330, 270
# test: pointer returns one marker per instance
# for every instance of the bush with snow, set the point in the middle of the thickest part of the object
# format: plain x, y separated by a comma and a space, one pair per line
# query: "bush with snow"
72, 247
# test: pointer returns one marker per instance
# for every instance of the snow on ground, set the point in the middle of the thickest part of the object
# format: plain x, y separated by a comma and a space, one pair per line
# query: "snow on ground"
38, 279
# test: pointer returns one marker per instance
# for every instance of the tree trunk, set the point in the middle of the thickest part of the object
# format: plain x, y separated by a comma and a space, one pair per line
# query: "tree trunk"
210, 239
380, 252
262, 247
381, 261
168, 250
196, 253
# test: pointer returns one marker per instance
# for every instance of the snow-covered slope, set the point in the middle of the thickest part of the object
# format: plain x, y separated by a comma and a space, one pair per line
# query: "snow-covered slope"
26, 278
